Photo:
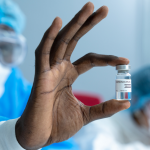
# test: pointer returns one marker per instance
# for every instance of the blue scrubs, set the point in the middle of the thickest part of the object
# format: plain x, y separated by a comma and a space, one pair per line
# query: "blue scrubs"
3, 118
15, 96
14, 100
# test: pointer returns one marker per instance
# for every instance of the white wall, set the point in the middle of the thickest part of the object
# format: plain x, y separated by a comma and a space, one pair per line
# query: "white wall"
119, 34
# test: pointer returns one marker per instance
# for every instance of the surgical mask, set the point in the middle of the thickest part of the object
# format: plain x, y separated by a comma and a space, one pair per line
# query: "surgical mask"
12, 48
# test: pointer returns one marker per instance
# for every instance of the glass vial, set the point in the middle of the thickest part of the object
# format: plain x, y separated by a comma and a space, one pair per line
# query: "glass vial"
123, 82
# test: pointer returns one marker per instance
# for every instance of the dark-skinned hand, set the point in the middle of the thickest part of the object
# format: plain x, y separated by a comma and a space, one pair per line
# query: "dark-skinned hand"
53, 114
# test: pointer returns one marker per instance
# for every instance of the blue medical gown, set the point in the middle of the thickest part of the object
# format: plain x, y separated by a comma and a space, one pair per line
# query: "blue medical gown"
15, 96
14, 100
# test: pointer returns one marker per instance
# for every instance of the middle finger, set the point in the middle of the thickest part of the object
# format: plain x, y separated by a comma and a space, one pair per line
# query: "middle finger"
94, 19
67, 33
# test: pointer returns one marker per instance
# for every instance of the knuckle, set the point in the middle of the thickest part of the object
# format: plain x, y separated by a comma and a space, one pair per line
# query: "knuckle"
46, 51
67, 56
65, 41
79, 19
90, 54
52, 38
90, 57
48, 35
103, 107
106, 110
112, 56
76, 38
79, 22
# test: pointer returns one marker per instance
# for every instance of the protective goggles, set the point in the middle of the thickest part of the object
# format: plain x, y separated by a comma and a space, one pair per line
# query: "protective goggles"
12, 48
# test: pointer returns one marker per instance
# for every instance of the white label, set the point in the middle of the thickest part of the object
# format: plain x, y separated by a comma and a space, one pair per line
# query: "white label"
123, 85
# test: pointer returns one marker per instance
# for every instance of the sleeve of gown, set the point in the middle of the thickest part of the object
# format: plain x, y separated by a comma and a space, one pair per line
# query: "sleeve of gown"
8, 139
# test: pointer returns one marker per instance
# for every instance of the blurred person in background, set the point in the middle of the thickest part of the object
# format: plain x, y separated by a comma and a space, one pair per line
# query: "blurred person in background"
128, 130
14, 89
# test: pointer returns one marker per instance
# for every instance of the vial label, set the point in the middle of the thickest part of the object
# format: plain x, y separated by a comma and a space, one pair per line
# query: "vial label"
123, 85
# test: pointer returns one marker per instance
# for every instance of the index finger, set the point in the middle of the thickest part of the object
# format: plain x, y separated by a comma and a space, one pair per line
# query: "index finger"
94, 19
91, 60
43, 51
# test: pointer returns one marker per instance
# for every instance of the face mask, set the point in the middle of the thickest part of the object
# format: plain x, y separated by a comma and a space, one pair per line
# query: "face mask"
12, 48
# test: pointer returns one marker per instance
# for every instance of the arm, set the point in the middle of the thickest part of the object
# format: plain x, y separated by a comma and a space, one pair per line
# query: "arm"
53, 114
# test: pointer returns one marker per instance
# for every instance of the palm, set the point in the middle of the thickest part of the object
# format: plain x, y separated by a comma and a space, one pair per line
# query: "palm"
65, 105
53, 114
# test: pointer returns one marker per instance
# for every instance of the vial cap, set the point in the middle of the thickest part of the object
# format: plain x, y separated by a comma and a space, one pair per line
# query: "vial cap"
123, 67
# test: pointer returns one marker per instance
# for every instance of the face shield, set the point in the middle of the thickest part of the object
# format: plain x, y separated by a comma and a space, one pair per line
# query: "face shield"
12, 48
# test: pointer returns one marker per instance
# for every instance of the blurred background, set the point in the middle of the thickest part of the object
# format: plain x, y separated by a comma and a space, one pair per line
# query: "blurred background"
125, 33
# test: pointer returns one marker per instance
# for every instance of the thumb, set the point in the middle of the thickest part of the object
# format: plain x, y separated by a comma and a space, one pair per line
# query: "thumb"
107, 109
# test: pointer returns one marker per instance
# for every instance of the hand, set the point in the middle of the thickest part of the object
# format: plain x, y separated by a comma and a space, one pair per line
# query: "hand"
53, 114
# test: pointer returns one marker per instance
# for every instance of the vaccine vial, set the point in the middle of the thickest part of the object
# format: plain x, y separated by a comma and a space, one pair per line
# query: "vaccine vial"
123, 82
